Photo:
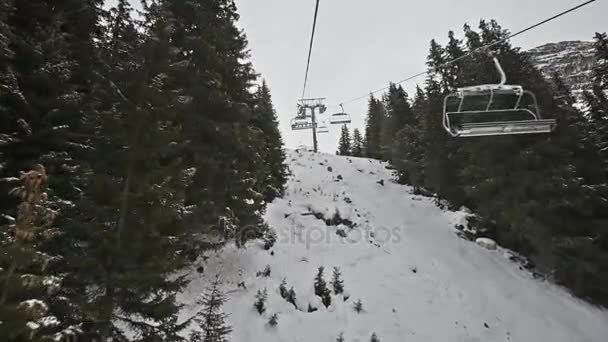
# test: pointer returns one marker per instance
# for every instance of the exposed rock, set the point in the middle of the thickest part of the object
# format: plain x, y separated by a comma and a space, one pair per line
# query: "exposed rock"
572, 60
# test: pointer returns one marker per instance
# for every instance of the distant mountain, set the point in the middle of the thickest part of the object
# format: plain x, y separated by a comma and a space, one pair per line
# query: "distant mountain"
572, 60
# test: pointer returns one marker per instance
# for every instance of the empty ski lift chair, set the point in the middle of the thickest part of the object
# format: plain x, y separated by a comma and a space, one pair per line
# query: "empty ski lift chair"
298, 124
340, 118
323, 129
516, 119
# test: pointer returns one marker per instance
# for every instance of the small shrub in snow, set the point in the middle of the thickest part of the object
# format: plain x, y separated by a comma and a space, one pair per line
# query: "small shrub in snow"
358, 306
337, 282
269, 239
321, 289
374, 338
340, 337
381, 182
291, 297
265, 273
283, 288
274, 320
260, 301
341, 233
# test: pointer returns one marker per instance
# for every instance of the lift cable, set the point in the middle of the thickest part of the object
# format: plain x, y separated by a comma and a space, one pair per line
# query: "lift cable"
312, 38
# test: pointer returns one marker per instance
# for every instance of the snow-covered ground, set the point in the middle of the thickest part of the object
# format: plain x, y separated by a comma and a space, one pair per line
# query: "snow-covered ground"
416, 279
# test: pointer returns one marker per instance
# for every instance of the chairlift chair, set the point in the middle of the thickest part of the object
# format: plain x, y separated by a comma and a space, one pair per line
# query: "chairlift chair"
298, 124
323, 129
517, 119
340, 118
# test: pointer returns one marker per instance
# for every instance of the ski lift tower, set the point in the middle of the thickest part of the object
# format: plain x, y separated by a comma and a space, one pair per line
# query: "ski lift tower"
313, 105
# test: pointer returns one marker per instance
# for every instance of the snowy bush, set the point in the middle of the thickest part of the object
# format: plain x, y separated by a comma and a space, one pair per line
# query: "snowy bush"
274, 320
283, 288
291, 297
486, 243
260, 302
374, 338
270, 238
358, 306
264, 273
340, 337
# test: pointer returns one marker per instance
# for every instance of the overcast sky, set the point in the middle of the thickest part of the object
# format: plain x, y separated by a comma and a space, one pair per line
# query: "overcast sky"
362, 45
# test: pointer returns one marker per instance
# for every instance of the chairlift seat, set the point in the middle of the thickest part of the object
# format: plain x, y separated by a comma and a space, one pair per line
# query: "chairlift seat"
323, 129
489, 89
299, 124
504, 128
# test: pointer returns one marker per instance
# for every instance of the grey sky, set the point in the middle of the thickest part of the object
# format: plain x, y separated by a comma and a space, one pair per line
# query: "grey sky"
362, 45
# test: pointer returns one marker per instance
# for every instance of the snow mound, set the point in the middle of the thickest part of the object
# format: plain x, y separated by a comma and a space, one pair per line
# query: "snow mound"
486, 243
416, 279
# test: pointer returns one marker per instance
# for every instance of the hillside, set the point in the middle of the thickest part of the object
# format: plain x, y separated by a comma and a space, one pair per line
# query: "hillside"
572, 60
417, 280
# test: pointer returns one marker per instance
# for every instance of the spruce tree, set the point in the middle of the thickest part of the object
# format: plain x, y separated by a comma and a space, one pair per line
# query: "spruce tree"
344, 146
48, 62
321, 289
260, 301
398, 115
265, 118
211, 320
375, 117
357, 148
337, 282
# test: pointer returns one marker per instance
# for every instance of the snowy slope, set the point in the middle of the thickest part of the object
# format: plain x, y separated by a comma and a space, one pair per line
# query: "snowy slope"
459, 292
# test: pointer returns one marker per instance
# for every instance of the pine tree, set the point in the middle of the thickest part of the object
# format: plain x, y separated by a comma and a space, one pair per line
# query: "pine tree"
344, 146
265, 118
47, 75
375, 117
337, 282
398, 115
260, 301
321, 289
357, 149
211, 320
